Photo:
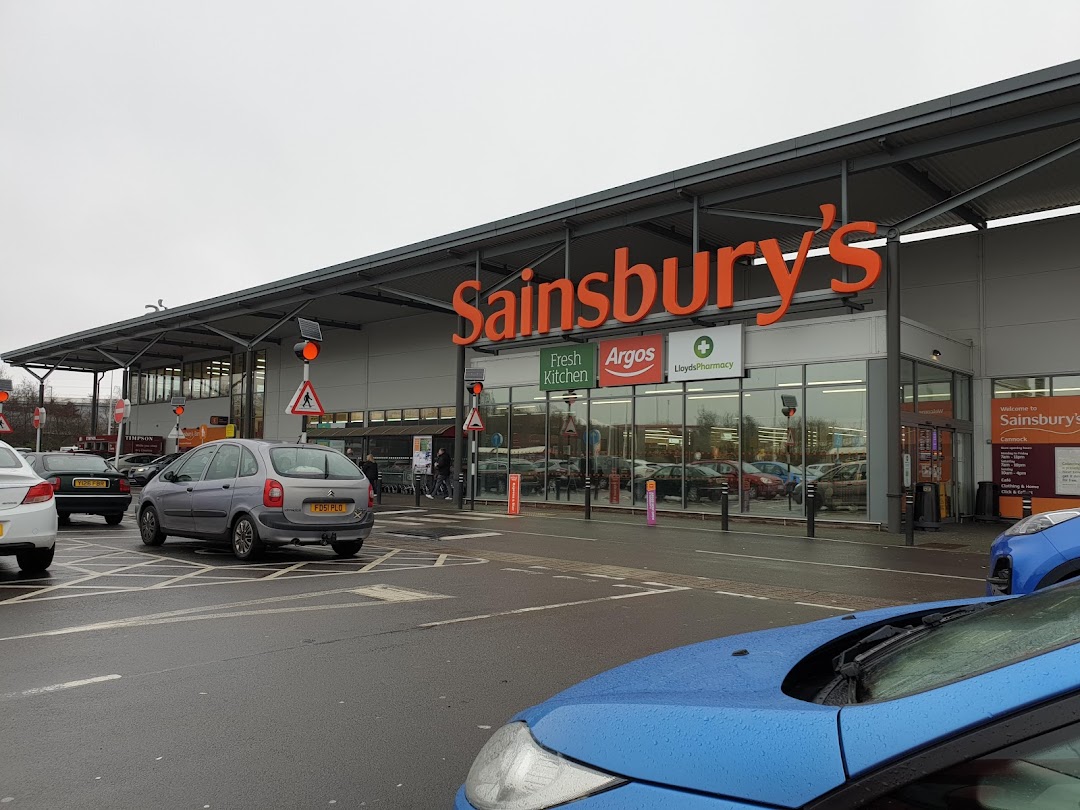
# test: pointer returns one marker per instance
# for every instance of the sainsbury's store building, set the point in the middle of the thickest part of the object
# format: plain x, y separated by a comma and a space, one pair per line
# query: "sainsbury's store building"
871, 303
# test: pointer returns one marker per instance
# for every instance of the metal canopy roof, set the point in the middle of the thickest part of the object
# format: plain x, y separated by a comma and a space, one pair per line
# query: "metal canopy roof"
898, 164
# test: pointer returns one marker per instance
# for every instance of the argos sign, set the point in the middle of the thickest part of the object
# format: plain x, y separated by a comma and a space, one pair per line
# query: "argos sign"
600, 297
632, 361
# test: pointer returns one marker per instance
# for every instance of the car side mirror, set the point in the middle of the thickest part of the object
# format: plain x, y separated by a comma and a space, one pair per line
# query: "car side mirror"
168, 476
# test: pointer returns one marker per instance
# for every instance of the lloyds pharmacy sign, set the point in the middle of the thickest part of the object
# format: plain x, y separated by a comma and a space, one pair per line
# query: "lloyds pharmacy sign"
705, 354
692, 354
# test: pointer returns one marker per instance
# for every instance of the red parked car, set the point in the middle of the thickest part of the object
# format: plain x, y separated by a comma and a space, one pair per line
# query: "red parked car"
759, 484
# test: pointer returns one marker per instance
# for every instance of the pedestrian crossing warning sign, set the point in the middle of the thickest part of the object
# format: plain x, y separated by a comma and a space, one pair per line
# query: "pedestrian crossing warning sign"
5, 425
474, 422
569, 427
305, 401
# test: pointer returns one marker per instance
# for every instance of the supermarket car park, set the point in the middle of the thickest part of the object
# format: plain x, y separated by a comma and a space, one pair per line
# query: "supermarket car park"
609, 376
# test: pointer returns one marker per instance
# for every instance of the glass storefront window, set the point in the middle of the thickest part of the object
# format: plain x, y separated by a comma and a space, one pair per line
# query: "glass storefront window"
411, 415
712, 445
356, 419
771, 445
447, 414
493, 449
1015, 387
907, 385
377, 417
612, 462
658, 443
836, 449
934, 395
393, 415
781, 377
528, 441
565, 464
846, 373
1066, 386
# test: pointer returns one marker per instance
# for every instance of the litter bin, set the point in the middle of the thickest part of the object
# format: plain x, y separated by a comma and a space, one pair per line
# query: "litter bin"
986, 501
927, 505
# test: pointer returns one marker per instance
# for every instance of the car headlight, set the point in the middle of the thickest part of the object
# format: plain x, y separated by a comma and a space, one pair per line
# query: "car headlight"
1041, 522
512, 772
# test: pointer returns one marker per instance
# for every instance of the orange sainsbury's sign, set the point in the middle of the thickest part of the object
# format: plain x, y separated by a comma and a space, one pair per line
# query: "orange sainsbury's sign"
603, 296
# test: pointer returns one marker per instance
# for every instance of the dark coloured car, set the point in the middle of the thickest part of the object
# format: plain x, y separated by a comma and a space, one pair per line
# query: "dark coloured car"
702, 483
83, 484
144, 474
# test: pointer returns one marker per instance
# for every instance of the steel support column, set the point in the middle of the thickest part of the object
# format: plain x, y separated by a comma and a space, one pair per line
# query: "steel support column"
892, 380
459, 420
248, 388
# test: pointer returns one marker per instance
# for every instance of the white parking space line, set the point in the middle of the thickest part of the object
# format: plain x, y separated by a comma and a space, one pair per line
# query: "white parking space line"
841, 565
399, 512
743, 595
469, 536
537, 608
459, 516
380, 594
378, 560
57, 687
827, 607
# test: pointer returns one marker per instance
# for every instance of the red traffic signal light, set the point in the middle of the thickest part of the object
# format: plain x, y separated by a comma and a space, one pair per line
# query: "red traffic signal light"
4, 397
788, 412
178, 410
476, 388
307, 350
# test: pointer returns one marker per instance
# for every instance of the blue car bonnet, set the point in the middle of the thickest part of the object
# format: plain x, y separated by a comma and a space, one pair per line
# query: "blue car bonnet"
704, 718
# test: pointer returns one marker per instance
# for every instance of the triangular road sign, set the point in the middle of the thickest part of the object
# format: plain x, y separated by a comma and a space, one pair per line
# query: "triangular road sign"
474, 422
305, 401
175, 433
569, 427
5, 425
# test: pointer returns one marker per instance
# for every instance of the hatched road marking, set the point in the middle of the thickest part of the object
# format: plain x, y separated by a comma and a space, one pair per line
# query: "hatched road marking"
86, 568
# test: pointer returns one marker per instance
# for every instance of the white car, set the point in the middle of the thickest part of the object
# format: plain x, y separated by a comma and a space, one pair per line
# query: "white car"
27, 513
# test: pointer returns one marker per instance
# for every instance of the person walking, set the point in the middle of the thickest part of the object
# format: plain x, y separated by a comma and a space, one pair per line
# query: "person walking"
370, 469
441, 486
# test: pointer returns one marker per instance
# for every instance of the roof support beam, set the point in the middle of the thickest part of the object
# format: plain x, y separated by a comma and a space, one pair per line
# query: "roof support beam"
382, 299
923, 182
284, 318
676, 236
993, 184
543, 257
442, 306
323, 321
761, 216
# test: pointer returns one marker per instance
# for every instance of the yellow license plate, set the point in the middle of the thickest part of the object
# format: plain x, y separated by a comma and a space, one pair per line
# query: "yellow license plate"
1, 529
328, 508
91, 483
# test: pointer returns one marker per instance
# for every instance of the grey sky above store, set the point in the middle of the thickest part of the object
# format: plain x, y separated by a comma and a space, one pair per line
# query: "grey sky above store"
152, 151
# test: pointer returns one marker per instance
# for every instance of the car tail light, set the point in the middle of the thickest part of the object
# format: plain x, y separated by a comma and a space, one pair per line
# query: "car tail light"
124, 485
54, 483
40, 493
273, 494
370, 496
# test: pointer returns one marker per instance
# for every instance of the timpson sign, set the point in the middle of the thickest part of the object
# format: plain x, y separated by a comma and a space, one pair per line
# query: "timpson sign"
603, 296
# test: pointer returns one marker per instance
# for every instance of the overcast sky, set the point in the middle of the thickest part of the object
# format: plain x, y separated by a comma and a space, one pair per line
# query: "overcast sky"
184, 150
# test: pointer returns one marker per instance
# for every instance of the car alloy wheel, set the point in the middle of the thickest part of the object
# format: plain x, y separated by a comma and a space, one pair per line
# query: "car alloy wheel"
150, 528
246, 544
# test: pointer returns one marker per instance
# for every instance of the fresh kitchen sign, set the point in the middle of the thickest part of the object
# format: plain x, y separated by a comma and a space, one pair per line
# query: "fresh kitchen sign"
568, 369
705, 354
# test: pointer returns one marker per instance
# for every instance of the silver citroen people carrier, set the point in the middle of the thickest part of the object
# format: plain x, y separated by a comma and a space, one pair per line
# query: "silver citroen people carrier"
257, 494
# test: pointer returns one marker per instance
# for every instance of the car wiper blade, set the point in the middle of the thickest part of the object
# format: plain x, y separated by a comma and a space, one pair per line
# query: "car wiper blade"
851, 663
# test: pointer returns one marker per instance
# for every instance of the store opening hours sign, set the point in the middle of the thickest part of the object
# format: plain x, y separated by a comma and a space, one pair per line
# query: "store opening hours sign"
1036, 444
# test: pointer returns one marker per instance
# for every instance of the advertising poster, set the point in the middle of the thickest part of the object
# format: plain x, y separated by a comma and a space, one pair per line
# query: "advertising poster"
1036, 446
421, 455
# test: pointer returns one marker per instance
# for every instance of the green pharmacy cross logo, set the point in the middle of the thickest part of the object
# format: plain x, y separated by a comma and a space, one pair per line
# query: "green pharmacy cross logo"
703, 347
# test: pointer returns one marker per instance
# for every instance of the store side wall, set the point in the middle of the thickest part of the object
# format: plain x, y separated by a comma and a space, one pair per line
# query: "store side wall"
159, 419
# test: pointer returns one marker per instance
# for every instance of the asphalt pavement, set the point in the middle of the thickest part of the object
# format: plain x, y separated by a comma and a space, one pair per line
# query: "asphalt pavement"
179, 677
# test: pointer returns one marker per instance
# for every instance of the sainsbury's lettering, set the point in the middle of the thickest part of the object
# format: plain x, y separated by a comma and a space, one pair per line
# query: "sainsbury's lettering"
638, 286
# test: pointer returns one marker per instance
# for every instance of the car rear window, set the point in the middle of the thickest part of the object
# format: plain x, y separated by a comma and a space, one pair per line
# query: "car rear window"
1001, 634
312, 462
75, 463
9, 460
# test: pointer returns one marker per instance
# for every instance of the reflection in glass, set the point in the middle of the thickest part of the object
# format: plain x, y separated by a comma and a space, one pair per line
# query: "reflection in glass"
612, 463
836, 449
658, 439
